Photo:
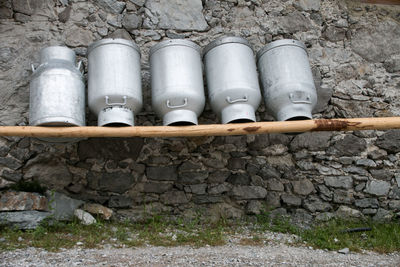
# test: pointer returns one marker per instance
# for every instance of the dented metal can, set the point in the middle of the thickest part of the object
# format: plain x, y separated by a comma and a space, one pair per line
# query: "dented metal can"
177, 81
57, 91
232, 80
287, 80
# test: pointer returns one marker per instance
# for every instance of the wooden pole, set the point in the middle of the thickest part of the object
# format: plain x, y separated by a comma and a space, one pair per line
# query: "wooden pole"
206, 130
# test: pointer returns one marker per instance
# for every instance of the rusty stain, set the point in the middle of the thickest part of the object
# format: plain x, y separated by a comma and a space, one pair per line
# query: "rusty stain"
230, 129
251, 129
333, 125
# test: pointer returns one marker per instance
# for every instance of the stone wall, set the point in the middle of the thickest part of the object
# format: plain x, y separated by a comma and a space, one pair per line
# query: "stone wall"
355, 54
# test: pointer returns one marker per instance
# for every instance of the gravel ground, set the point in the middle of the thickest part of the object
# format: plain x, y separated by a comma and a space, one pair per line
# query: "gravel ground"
227, 255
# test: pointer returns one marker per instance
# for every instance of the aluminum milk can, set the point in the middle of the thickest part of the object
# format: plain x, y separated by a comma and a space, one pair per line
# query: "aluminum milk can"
114, 81
57, 91
232, 80
177, 81
287, 81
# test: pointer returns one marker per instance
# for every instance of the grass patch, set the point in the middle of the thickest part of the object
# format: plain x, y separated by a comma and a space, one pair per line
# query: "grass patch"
159, 231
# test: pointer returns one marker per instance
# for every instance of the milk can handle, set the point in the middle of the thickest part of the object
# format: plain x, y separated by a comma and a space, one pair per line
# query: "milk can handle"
230, 101
115, 104
300, 98
79, 67
185, 101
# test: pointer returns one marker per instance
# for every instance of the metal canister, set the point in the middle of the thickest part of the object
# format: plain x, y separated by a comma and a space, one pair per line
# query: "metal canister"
177, 81
114, 81
232, 80
287, 81
57, 91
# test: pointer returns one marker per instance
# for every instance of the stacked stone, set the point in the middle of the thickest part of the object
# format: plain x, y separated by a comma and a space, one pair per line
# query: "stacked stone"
353, 49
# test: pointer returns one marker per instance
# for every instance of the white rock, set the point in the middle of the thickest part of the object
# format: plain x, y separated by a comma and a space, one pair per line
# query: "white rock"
84, 217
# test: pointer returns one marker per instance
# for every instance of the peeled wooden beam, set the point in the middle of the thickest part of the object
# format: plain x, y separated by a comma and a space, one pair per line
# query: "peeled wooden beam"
206, 130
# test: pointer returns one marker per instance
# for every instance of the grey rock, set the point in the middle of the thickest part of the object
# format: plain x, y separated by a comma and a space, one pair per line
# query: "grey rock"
324, 92
295, 22
198, 189
156, 187
24, 220
356, 170
138, 2
236, 164
131, 21
114, 20
381, 174
343, 196
219, 189
174, 198
275, 185
10, 175
61, 206
291, 200
51, 173
350, 145
117, 182
76, 36
10, 162
390, 141
369, 211
383, 215
345, 182
324, 217
313, 141
190, 166
6, 12
367, 203
218, 177
22, 17
314, 204
163, 173
303, 187
308, 5
344, 251
392, 64
193, 177
377, 154
4, 184
64, 15
175, 14
265, 140
273, 200
366, 162
120, 202
376, 43
347, 213
84, 217
249, 192
377, 188
269, 172
334, 34
253, 207
112, 6
206, 199
239, 179
394, 205
30, 7
123, 34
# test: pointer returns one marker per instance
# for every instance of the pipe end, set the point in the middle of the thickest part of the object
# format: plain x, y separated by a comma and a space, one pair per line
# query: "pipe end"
116, 117
180, 117
238, 113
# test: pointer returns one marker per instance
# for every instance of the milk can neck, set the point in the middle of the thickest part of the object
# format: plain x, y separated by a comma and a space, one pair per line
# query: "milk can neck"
57, 53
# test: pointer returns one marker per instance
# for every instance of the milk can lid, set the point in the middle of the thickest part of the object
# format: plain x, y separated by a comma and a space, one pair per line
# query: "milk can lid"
226, 40
174, 42
109, 41
278, 43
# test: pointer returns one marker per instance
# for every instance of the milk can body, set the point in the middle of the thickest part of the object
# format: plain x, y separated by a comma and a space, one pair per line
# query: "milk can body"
287, 81
232, 80
57, 91
114, 81
177, 82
